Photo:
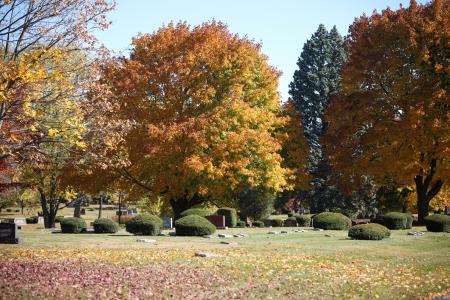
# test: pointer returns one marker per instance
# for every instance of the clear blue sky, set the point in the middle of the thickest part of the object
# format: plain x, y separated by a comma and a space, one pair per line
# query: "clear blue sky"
281, 26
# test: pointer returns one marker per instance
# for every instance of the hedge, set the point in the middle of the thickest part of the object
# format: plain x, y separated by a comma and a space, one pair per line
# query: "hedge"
229, 214
105, 226
194, 225
397, 220
303, 220
73, 225
331, 221
144, 224
258, 224
273, 222
240, 224
290, 222
368, 232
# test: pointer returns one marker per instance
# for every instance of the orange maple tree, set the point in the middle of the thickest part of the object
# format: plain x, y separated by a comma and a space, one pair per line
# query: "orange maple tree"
295, 147
392, 120
205, 108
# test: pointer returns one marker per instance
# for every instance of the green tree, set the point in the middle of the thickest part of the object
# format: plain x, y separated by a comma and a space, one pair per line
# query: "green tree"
318, 78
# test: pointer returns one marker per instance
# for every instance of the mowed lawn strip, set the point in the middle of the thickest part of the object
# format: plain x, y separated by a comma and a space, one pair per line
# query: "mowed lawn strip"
308, 264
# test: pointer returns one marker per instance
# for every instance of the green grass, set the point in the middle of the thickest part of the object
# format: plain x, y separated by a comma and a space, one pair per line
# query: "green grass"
304, 265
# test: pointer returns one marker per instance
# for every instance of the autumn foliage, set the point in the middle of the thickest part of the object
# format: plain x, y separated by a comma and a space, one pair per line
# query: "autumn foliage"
206, 108
392, 120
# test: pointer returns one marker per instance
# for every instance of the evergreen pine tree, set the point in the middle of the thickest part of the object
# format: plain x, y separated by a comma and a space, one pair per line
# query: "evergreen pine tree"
318, 78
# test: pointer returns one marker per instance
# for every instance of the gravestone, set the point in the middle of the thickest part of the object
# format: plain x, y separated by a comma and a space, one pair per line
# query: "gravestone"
20, 221
40, 220
8, 233
218, 221
167, 223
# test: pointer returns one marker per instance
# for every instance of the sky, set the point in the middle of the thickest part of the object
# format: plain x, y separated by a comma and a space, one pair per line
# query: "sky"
282, 26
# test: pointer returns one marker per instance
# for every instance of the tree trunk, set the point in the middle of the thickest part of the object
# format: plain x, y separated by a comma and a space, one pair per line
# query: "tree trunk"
426, 190
100, 206
49, 213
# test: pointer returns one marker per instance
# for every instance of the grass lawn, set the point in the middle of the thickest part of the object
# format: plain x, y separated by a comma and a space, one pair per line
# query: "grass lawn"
305, 265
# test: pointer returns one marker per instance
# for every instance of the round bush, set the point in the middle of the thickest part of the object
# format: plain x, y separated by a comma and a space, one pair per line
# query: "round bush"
144, 224
331, 221
105, 226
258, 224
240, 224
409, 221
73, 225
273, 222
397, 220
303, 220
194, 225
195, 211
58, 219
438, 223
229, 214
368, 232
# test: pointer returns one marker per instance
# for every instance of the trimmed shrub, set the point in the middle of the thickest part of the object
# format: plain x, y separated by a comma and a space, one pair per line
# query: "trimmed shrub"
240, 224
368, 232
144, 224
193, 225
273, 222
290, 222
397, 220
229, 214
258, 224
409, 221
195, 211
331, 221
105, 226
438, 223
303, 220
32, 220
73, 225
58, 219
